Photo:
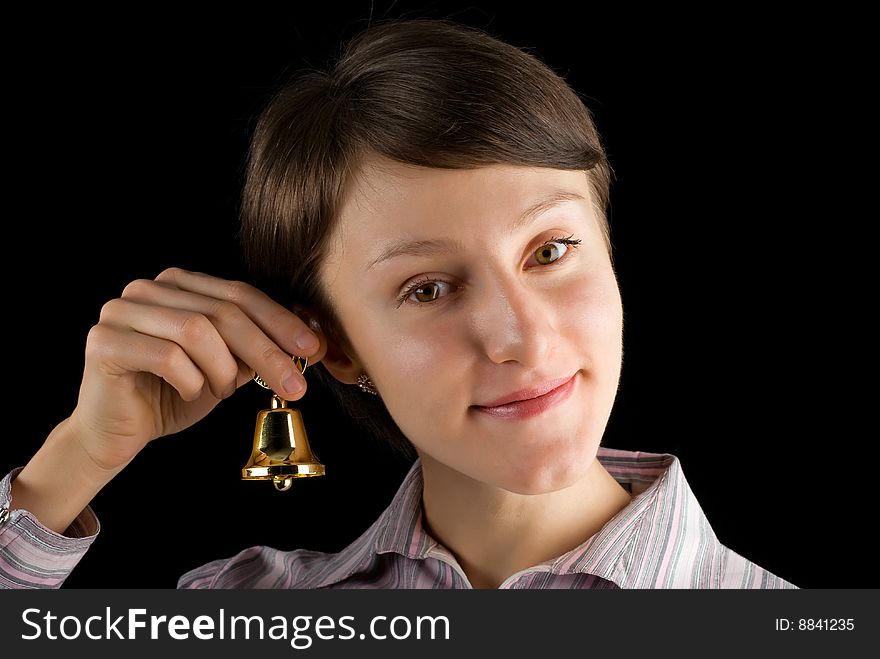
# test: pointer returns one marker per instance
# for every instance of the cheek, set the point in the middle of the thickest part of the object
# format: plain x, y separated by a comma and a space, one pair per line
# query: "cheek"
418, 365
421, 382
421, 353
593, 317
410, 364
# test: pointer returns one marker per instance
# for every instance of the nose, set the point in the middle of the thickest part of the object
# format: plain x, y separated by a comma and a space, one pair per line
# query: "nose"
514, 321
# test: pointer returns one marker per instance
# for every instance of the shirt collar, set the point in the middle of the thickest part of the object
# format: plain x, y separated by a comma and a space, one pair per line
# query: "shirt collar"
656, 540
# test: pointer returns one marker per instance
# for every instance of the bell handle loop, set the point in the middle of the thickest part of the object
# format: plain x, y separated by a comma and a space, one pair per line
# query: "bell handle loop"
303, 362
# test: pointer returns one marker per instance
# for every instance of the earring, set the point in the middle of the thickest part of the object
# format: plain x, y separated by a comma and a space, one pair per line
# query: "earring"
366, 384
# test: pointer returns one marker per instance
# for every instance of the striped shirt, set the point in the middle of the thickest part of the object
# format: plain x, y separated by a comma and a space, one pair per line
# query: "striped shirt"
662, 539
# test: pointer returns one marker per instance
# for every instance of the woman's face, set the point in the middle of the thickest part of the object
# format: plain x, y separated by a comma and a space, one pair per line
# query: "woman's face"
453, 296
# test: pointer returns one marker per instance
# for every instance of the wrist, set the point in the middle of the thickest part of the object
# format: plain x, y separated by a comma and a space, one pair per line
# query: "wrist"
60, 480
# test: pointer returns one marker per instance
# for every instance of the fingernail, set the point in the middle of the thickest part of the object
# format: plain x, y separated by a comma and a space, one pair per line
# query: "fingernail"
293, 383
307, 341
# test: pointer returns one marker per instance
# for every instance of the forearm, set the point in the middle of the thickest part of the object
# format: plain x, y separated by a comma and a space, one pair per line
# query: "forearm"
59, 481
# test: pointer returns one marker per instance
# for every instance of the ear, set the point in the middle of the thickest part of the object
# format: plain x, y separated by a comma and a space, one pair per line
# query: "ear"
344, 368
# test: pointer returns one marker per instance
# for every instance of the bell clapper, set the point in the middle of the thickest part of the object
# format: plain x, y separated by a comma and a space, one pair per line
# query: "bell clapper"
282, 484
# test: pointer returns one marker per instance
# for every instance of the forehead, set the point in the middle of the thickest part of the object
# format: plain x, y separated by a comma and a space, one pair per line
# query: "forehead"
389, 200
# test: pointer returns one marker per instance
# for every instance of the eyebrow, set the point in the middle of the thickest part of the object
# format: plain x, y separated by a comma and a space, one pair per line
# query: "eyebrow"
446, 245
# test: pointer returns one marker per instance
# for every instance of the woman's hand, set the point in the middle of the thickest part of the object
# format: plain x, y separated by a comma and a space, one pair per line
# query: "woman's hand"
160, 358
165, 353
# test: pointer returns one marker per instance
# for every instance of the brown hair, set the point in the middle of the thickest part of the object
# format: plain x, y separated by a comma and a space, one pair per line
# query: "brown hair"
426, 92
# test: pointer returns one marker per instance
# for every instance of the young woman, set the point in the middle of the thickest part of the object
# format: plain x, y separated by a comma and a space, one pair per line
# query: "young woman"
429, 211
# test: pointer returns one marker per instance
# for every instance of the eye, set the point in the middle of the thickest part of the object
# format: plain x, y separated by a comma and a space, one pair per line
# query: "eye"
423, 291
427, 291
554, 249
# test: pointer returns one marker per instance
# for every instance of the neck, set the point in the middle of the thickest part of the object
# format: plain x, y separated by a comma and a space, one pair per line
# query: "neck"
494, 533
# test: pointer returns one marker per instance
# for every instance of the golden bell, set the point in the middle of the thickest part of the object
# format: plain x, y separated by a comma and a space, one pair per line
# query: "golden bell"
281, 450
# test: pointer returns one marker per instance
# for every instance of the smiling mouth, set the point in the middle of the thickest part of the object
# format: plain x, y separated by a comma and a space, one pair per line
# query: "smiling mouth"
529, 393
529, 407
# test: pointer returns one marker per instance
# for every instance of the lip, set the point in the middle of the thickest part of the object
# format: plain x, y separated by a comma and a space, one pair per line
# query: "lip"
531, 392
530, 402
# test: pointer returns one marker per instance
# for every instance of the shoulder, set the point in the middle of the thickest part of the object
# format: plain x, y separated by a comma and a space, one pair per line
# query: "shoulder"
265, 567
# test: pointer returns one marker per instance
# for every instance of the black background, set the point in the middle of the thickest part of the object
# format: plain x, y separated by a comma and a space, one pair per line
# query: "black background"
125, 144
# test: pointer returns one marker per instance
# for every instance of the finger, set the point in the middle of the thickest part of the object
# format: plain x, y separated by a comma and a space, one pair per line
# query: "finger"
118, 352
245, 373
192, 331
280, 324
238, 331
